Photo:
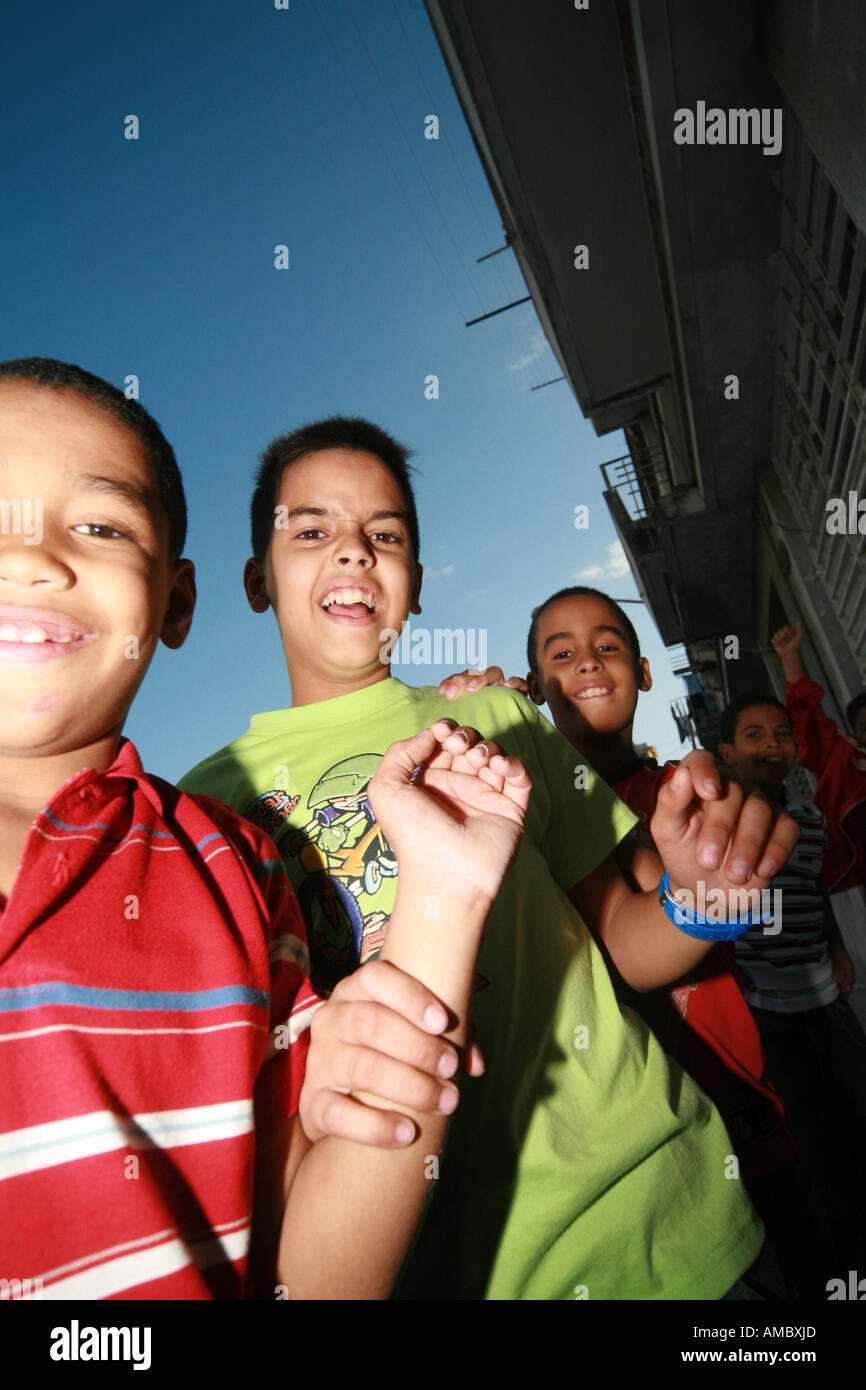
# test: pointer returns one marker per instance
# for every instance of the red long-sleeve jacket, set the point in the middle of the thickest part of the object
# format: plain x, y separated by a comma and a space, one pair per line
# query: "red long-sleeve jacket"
840, 767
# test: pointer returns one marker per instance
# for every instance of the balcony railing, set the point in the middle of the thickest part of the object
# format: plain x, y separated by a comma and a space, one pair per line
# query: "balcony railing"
640, 479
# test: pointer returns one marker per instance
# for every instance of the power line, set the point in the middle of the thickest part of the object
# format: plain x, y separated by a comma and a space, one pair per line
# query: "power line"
451, 151
389, 162
412, 154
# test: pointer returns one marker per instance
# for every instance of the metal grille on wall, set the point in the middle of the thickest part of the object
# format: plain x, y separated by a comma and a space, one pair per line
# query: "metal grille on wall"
819, 428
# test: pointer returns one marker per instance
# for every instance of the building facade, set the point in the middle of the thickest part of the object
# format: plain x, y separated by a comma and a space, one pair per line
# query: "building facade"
679, 186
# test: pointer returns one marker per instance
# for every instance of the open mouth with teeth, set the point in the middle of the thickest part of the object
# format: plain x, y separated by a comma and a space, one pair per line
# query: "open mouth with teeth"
22, 640
12, 632
346, 602
592, 692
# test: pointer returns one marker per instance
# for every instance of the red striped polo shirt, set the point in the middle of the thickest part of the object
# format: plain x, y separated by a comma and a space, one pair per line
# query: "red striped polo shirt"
154, 1012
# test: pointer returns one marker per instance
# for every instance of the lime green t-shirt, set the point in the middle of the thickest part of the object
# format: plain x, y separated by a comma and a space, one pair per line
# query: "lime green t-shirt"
584, 1163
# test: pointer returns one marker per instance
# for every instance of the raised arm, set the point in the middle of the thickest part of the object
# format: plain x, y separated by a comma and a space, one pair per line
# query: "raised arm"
816, 733
787, 644
716, 848
351, 1211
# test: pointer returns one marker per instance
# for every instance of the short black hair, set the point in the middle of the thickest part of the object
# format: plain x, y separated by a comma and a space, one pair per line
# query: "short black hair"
335, 432
854, 707
47, 371
730, 715
579, 591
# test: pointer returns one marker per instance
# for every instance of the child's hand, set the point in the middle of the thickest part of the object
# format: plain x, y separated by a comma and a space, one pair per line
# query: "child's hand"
705, 773
787, 640
461, 819
378, 1033
843, 968
722, 841
455, 685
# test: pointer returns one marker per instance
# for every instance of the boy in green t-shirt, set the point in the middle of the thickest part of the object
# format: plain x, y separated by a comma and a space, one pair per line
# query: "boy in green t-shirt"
583, 1164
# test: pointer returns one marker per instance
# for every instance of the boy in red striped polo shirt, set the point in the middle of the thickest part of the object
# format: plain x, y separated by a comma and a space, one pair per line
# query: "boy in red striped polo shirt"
154, 996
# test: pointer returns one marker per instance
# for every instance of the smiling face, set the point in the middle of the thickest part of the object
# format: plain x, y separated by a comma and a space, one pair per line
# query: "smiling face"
339, 572
84, 598
586, 670
763, 751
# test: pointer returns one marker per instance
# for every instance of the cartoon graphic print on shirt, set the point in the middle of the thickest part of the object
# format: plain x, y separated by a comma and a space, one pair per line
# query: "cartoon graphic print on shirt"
272, 810
341, 865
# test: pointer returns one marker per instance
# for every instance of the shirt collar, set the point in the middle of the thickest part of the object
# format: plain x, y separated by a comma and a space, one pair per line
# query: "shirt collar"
127, 766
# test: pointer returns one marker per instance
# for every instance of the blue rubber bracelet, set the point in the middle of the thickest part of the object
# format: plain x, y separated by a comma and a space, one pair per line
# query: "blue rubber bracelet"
693, 925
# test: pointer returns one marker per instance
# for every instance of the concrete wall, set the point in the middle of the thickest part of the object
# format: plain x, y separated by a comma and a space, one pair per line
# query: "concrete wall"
817, 53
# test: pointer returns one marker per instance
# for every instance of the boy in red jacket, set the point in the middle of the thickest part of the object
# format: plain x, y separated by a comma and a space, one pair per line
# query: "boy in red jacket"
585, 662
836, 759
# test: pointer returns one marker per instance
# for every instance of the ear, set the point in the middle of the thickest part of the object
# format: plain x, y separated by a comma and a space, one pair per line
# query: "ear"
536, 692
415, 604
727, 753
645, 680
254, 587
181, 606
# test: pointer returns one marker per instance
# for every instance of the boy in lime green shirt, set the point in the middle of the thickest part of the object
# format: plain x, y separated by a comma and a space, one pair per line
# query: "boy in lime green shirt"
584, 1163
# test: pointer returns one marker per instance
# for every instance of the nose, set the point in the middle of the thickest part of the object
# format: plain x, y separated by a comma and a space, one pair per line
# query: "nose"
353, 548
589, 661
24, 566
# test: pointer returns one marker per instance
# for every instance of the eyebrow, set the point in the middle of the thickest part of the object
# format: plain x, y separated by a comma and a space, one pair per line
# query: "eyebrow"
602, 627
782, 724
140, 499
310, 510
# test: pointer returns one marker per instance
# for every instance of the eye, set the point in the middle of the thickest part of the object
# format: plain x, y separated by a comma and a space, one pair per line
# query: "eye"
607, 647
310, 534
563, 655
102, 530
388, 536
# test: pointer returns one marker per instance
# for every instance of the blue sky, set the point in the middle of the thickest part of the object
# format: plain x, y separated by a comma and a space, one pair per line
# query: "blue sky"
155, 257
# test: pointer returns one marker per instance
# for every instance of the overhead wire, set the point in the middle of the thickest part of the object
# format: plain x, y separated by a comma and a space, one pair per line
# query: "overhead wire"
459, 254
433, 103
390, 164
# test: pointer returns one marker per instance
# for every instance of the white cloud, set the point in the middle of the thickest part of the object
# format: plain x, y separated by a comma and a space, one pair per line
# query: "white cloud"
617, 564
615, 568
438, 574
536, 343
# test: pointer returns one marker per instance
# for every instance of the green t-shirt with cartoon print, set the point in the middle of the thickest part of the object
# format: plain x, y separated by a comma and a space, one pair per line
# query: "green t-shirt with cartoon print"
584, 1163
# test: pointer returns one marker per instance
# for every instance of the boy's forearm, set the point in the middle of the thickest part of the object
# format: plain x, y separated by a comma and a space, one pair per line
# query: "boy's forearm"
792, 666
649, 951
655, 947
434, 934
351, 1210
